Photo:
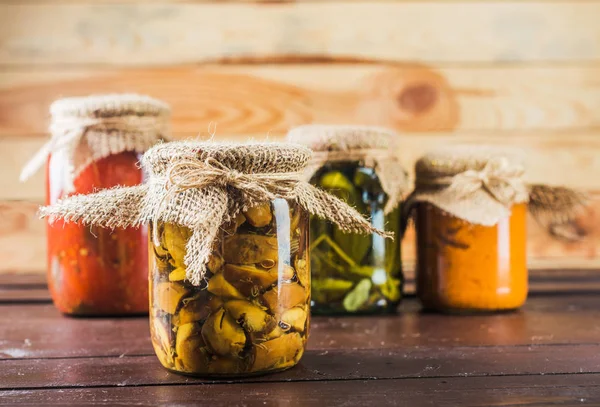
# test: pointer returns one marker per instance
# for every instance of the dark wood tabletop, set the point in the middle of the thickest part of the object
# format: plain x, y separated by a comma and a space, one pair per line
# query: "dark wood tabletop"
546, 354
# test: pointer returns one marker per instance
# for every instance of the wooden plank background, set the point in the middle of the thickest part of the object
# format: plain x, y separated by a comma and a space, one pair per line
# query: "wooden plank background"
523, 73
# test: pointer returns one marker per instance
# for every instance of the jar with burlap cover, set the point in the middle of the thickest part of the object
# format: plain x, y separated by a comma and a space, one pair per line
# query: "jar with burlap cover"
470, 206
87, 129
372, 147
204, 185
479, 184
354, 273
96, 143
230, 277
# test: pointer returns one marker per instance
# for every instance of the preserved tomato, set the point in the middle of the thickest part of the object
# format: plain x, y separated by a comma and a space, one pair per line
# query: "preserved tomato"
93, 270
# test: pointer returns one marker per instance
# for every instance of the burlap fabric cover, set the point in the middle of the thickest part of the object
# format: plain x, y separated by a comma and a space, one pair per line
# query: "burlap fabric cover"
373, 147
480, 184
86, 129
203, 185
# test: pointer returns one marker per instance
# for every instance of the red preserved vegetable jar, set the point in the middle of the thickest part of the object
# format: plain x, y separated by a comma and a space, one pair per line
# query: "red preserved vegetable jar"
96, 144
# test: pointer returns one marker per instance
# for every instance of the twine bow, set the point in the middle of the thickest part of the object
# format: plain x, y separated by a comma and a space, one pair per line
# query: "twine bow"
501, 181
251, 187
496, 178
205, 194
67, 133
188, 174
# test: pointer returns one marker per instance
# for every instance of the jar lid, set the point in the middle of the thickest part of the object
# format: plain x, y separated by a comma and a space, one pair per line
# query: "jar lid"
87, 129
248, 158
478, 184
320, 137
109, 105
453, 160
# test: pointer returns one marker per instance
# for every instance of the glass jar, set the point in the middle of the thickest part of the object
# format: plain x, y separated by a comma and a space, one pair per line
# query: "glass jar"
355, 273
470, 205
93, 270
463, 267
251, 313
96, 144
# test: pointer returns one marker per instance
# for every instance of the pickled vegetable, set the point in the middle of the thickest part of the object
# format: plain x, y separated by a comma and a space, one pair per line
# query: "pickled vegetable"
251, 314
259, 215
175, 238
221, 287
286, 295
283, 351
250, 249
192, 310
251, 274
252, 317
169, 295
93, 271
188, 342
223, 334
294, 318
354, 273
161, 341
177, 275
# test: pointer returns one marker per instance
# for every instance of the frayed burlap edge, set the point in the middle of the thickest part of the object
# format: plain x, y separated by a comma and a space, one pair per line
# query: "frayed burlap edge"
203, 195
88, 129
484, 196
556, 208
371, 147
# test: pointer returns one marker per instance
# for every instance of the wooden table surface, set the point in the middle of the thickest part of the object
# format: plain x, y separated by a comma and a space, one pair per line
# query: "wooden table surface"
546, 354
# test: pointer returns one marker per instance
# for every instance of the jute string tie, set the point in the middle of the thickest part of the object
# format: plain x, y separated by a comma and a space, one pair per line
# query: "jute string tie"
67, 133
203, 186
372, 147
480, 184
194, 174
496, 178
188, 174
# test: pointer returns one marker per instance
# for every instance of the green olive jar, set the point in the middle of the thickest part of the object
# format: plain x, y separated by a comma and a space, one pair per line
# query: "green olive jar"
354, 273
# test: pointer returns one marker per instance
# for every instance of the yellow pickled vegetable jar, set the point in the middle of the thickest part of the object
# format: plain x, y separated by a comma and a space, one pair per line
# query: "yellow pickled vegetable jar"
251, 312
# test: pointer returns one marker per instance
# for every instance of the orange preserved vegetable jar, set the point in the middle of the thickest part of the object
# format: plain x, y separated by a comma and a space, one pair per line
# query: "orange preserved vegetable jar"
96, 144
463, 266
470, 211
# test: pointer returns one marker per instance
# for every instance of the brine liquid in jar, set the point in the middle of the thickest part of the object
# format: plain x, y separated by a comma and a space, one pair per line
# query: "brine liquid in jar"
94, 271
462, 267
250, 314
355, 273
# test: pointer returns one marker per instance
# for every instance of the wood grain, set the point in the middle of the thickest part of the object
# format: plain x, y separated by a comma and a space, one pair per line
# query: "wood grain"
23, 244
22, 238
13, 280
24, 296
199, 32
315, 365
269, 99
544, 321
549, 390
544, 355
561, 158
